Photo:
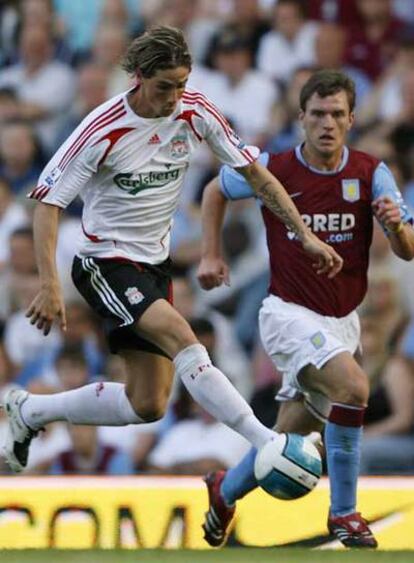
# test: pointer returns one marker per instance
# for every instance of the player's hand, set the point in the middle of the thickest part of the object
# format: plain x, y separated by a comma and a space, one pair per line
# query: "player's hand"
326, 260
388, 213
47, 306
213, 272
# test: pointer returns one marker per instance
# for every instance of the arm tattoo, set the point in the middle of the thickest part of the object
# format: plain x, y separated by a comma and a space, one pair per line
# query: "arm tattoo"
285, 212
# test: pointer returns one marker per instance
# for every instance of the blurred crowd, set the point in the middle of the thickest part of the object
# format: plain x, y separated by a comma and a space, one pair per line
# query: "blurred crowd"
59, 60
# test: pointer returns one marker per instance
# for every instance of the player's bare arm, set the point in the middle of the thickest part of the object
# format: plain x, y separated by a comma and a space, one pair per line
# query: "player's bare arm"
48, 304
275, 197
401, 236
213, 270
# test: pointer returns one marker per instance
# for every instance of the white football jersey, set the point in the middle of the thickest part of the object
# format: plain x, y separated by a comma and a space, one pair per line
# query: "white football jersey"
128, 170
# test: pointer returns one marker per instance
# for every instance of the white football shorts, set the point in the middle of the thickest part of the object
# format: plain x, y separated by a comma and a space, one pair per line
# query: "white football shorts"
294, 336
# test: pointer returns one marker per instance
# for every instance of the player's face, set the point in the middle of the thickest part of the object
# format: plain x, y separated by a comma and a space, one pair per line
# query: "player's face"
162, 92
326, 122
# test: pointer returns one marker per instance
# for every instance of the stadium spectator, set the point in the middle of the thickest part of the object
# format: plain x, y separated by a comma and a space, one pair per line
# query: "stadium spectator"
19, 278
388, 444
41, 14
291, 43
330, 44
79, 344
44, 86
287, 132
209, 445
21, 158
188, 16
107, 50
12, 216
233, 91
87, 455
9, 20
9, 105
384, 107
80, 21
92, 89
246, 20
384, 261
343, 12
372, 41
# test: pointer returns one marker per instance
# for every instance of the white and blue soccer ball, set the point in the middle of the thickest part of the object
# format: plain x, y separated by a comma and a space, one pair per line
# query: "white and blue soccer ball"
288, 467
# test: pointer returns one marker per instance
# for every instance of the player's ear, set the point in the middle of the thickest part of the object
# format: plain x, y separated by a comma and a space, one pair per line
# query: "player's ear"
301, 115
138, 77
351, 120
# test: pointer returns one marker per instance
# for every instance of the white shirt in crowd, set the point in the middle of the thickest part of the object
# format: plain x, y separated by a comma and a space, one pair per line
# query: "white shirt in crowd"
279, 58
193, 440
52, 87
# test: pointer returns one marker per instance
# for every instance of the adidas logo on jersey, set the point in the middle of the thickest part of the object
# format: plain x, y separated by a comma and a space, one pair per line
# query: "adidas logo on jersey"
155, 140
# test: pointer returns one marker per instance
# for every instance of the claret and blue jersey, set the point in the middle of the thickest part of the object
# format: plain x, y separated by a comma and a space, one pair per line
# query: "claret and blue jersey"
337, 207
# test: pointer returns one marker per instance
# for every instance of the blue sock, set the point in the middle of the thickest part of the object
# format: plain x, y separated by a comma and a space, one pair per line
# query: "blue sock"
343, 434
239, 480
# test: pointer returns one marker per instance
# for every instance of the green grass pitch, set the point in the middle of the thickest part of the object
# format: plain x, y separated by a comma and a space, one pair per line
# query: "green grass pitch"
233, 555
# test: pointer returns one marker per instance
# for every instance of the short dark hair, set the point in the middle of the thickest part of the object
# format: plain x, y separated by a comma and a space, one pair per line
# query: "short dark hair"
25, 232
300, 5
201, 325
159, 48
326, 83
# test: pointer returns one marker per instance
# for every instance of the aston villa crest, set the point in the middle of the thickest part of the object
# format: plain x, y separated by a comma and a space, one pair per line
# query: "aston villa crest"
350, 190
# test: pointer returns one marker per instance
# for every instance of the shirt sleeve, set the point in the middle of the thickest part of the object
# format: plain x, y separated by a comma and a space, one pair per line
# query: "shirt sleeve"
233, 185
384, 185
223, 141
68, 171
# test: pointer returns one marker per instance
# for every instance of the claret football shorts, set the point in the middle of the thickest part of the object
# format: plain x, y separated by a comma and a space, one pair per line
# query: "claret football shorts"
294, 336
120, 291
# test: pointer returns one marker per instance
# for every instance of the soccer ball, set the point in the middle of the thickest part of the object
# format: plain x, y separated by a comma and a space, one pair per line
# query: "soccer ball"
288, 467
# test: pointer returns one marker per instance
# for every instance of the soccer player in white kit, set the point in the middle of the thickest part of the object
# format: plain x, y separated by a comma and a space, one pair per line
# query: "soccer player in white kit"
127, 160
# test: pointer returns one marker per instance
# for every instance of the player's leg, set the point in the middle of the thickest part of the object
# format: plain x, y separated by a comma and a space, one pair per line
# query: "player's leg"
162, 325
226, 487
149, 380
320, 349
346, 385
142, 399
240, 480
107, 287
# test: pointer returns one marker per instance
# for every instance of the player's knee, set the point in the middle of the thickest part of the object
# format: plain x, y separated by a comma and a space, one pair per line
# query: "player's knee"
355, 391
151, 410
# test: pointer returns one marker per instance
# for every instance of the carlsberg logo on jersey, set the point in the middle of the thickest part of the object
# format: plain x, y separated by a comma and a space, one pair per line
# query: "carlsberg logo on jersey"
332, 223
145, 180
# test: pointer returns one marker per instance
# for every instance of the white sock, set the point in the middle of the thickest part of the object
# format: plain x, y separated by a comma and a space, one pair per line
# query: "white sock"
98, 403
214, 392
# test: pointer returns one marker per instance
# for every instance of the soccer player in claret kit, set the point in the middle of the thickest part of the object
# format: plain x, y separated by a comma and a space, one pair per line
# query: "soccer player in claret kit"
127, 160
308, 325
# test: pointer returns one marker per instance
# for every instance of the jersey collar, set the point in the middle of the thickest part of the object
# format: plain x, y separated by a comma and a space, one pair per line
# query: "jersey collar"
344, 162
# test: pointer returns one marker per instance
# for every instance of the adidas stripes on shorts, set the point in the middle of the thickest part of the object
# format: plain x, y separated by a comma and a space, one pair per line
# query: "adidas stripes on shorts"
120, 291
